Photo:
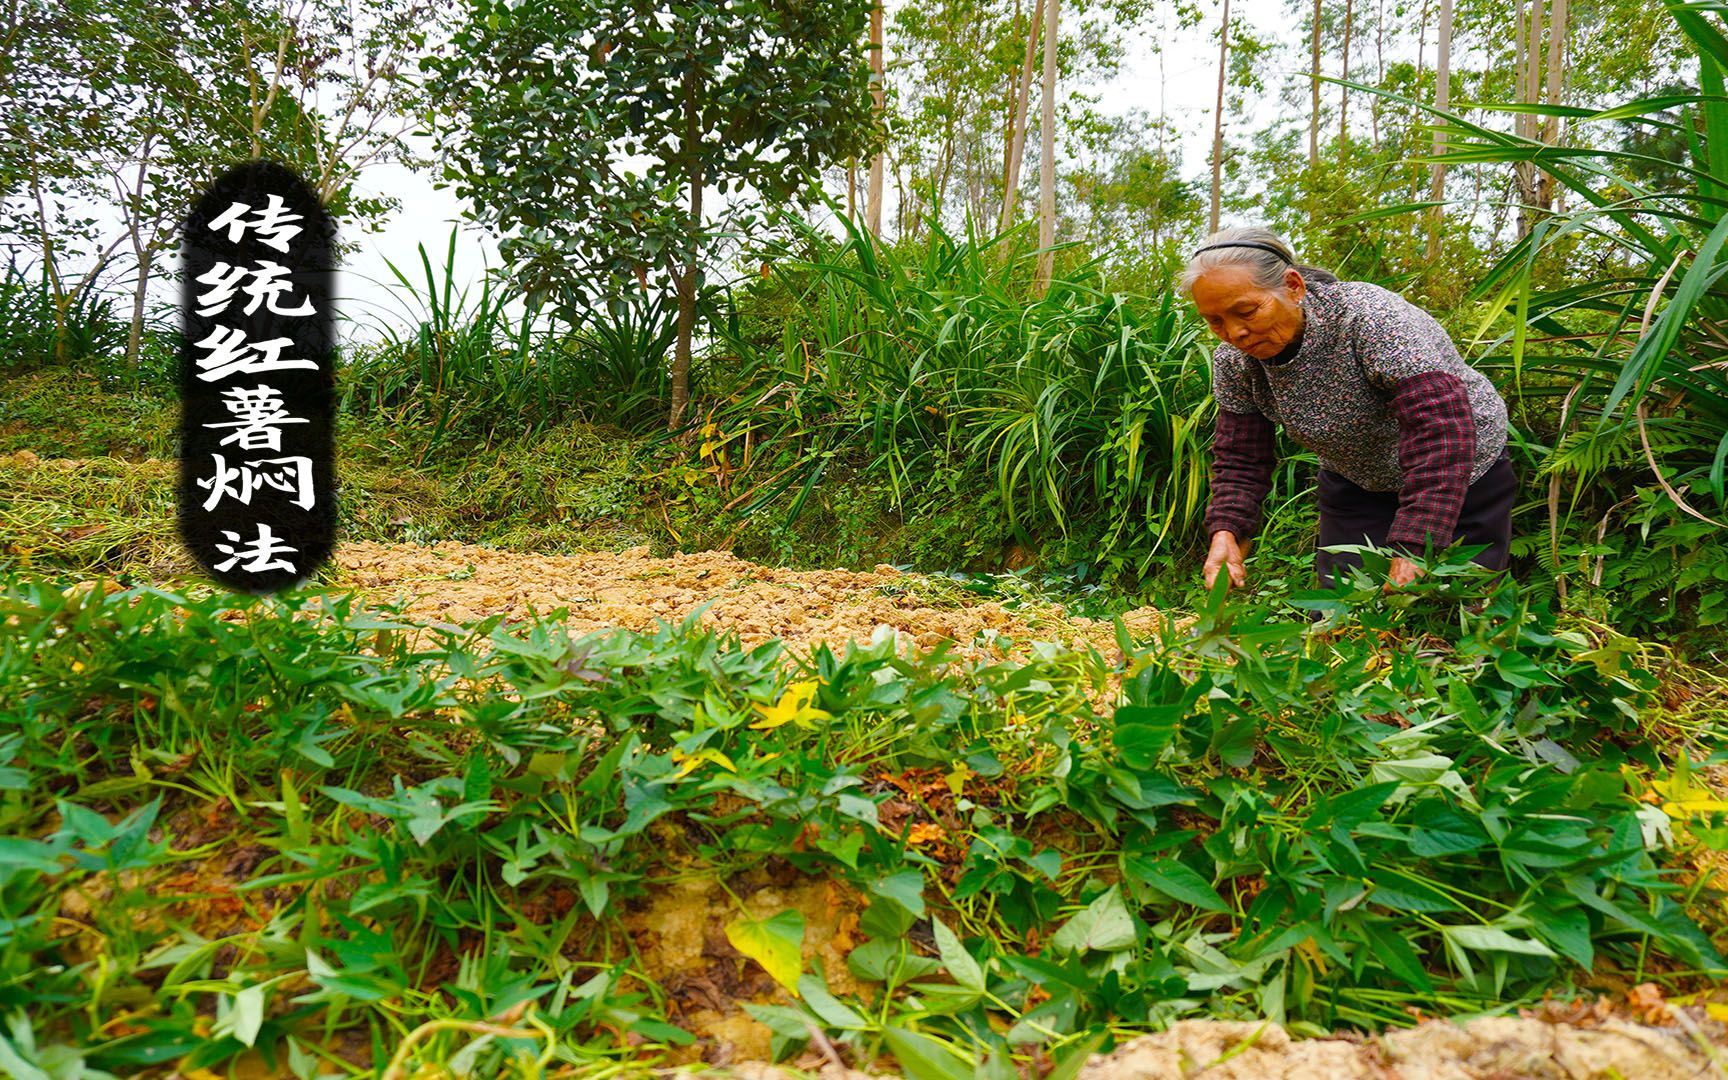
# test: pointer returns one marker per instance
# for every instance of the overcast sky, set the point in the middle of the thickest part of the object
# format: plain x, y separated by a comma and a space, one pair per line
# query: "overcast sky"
368, 293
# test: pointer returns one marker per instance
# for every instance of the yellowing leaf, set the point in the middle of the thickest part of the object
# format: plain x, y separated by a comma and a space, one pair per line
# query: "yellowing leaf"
776, 943
1693, 806
793, 707
923, 832
1680, 797
705, 754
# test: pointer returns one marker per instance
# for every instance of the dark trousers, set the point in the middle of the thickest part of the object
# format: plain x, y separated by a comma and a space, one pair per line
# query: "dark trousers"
1354, 515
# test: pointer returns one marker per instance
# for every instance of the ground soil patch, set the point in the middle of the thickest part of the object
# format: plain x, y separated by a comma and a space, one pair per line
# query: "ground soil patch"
457, 583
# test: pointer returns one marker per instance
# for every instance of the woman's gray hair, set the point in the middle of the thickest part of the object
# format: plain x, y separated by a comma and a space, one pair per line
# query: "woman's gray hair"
1267, 268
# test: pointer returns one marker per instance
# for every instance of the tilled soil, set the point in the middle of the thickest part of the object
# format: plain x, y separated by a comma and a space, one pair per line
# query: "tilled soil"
456, 583
1542, 1047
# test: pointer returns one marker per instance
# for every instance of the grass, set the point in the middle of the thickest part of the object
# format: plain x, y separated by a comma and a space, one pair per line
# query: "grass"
573, 487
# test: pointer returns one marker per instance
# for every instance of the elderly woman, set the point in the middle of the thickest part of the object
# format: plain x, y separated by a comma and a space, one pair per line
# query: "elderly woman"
1411, 440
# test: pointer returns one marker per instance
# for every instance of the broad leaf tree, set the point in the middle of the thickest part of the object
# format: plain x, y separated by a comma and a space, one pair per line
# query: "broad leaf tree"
536, 104
140, 106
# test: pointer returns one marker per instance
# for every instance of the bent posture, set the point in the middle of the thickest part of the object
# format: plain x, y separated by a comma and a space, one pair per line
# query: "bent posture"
1411, 440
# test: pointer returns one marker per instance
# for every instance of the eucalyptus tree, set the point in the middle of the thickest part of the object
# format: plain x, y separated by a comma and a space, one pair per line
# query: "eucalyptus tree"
535, 102
968, 74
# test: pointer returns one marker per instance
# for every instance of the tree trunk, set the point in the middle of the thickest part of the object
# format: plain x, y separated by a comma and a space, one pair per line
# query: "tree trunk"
940, 195
687, 279
1379, 70
50, 267
1047, 163
1163, 122
900, 202
1314, 101
1442, 101
1218, 120
135, 335
1344, 100
873, 204
1022, 110
144, 236
1529, 74
1422, 44
1551, 124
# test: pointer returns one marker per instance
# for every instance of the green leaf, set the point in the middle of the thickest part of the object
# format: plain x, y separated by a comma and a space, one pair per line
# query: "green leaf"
1521, 671
923, 1058
477, 779
905, 888
1441, 830
1234, 743
831, 1009
85, 824
1351, 808
1142, 732
1048, 862
19, 853
1569, 931
1105, 925
790, 1027
1178, 881
1399, 958
886, 919
1070, 1061
248, 1014
1416, 769
1494, 939
1402, 893
777, 943
955, 958
945, 999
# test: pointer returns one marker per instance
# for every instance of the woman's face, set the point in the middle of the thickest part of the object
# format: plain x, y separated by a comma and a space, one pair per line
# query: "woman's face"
1258, 321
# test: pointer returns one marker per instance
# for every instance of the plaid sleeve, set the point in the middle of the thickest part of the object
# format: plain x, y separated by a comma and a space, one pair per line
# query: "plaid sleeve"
1243, 453
1437, 453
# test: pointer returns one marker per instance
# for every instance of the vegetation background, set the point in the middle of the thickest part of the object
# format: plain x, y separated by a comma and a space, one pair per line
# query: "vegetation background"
988, 378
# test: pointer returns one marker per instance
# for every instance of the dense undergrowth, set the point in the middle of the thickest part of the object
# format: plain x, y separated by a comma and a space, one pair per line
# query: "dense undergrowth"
575, 487
1415, 806
581, 486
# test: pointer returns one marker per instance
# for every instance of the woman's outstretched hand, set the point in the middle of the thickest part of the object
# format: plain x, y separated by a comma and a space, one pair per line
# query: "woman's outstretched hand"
1226, 554
1401, 573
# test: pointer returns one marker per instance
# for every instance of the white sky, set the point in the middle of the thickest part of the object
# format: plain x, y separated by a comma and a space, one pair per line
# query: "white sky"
368, 294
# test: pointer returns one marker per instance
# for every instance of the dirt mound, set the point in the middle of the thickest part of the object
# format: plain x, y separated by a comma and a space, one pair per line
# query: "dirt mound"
1491, 1048
457, 583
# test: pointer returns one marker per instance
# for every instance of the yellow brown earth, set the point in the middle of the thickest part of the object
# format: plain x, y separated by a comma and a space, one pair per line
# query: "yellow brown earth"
457, 583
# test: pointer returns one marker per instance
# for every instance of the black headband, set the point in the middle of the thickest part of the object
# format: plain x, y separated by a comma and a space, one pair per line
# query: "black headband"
1250, 244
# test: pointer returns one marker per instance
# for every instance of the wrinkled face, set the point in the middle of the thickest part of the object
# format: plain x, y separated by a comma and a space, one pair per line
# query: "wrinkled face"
1258, 321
